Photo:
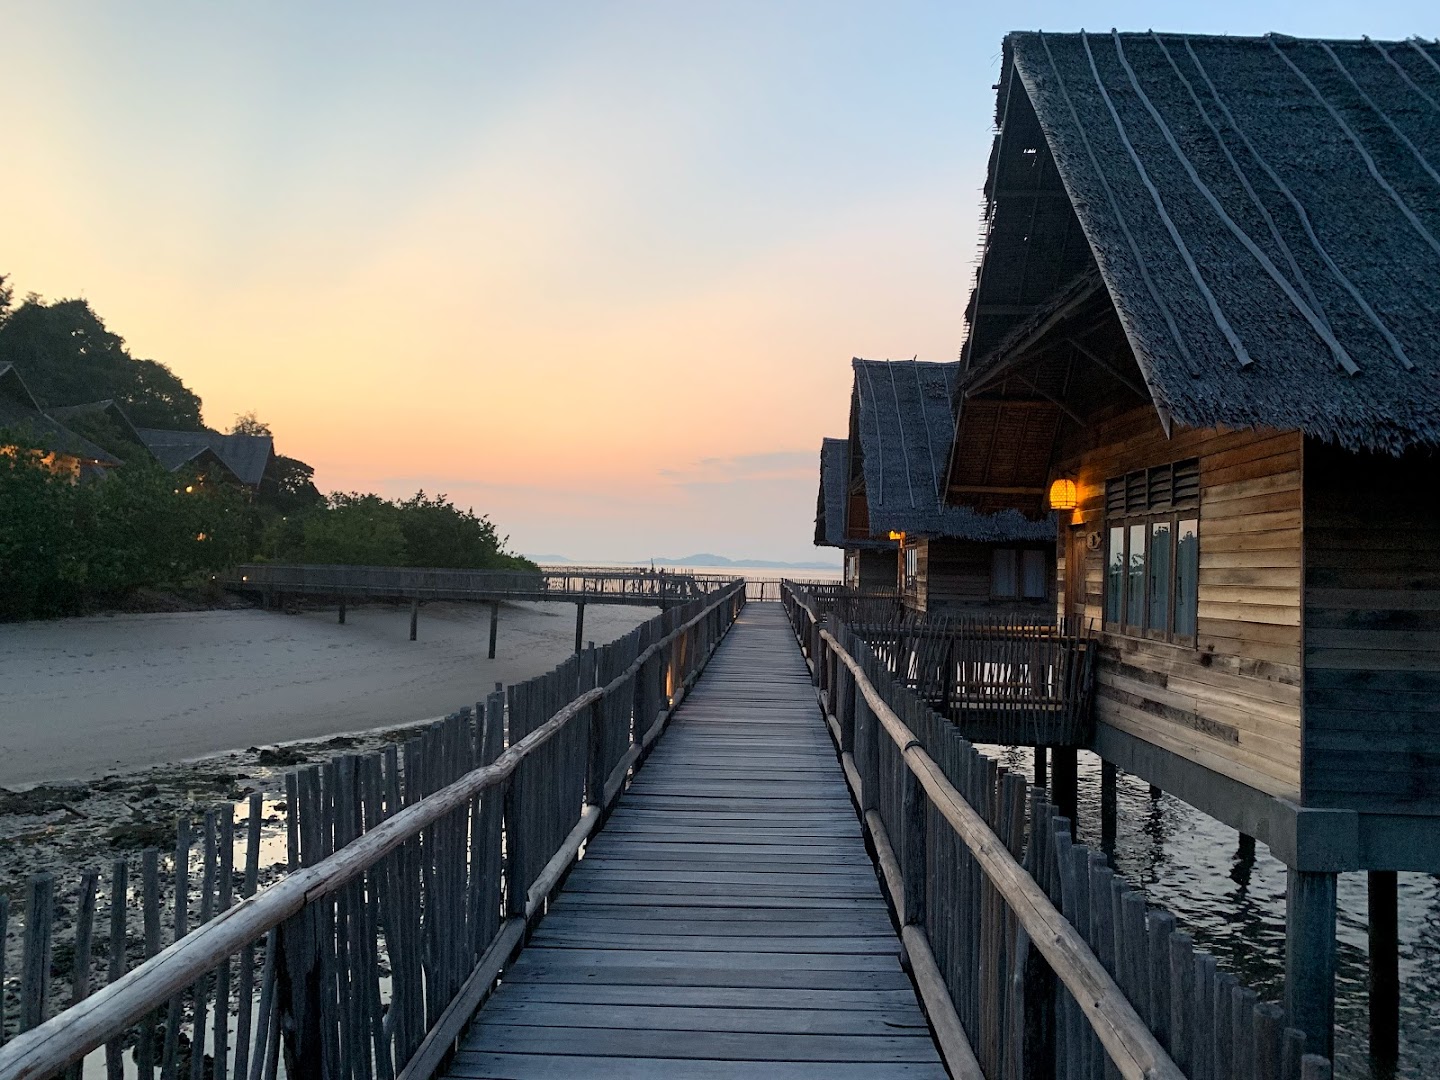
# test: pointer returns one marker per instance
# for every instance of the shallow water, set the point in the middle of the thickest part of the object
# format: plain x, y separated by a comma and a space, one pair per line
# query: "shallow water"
1190, 864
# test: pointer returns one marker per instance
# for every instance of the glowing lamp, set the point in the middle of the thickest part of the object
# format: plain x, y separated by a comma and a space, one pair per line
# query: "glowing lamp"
896, 535
1063, 495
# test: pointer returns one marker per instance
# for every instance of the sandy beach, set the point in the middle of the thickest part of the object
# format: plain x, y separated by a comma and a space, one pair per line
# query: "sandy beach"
81, 698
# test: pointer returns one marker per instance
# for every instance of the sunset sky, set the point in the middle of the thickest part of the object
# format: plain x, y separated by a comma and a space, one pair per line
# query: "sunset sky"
596, 269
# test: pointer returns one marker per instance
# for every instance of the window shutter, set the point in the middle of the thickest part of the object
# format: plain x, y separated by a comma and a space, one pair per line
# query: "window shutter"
1158, 496
1004, 573
1187, 483
1115, 496
1136, 493
1033, 565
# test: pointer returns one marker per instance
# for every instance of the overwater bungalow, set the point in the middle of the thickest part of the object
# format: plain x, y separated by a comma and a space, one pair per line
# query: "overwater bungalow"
951, 559
869, 562
1205, 331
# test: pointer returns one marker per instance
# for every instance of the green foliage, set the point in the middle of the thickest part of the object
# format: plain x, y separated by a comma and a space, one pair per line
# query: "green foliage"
359, 530
247, 423
66, 548
366, 530
288, 486
67, 356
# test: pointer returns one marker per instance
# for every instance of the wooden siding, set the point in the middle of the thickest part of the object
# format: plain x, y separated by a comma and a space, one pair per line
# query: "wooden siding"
877, 570
1372, 633
953, 578
1231, 702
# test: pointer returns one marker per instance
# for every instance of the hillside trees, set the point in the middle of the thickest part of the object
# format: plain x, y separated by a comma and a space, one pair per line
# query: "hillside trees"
68, 356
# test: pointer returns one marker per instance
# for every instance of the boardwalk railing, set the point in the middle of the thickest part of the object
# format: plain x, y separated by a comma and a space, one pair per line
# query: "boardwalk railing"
1026, 946
1011, 681
428, 583
413, 875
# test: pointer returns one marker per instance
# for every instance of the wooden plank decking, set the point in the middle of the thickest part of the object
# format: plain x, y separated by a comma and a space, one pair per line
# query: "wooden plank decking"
727, 922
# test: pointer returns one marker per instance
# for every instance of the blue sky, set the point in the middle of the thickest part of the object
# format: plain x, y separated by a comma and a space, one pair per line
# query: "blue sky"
596, 269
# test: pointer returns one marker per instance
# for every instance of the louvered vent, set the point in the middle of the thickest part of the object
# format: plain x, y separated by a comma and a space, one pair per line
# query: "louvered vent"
1158, 495
1187, 483
1115, 496
1135, 493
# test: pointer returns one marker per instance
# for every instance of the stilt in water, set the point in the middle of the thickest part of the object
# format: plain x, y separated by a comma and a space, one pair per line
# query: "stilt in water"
1107, 807
341, 619
1064, 782
1310, 956
579, 625
414, 617
1384, 971
494, 625
1040, 766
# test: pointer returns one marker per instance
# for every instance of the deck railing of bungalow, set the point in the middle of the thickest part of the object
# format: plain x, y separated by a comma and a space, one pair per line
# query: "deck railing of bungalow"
1024, 943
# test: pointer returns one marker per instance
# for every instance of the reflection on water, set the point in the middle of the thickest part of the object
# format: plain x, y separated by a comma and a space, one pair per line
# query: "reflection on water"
1233, 902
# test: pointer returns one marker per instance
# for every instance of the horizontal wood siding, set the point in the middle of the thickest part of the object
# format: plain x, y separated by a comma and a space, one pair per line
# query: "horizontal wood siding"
1372, 633
1232, 701
877, 569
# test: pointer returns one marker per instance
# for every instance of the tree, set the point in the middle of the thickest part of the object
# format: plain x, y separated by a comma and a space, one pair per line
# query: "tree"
355, 530
247, 423
7, 295
68, 357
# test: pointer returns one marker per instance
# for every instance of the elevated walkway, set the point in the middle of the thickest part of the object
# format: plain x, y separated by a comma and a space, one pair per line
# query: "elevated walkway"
727, 921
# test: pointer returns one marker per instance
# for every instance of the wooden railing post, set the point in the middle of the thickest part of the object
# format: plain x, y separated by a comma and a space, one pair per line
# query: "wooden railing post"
913, 806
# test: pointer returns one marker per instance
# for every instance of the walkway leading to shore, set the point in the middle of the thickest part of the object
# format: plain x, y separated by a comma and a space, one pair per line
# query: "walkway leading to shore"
727, 922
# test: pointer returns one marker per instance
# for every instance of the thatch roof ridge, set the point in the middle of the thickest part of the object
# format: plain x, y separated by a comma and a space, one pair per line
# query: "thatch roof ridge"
906, 425
1265, 214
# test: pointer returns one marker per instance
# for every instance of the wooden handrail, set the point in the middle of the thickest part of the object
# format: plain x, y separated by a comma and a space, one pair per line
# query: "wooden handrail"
73, 1033
1135, 1051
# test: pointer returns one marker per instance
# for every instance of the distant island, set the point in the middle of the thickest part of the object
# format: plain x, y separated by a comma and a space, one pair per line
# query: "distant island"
703, 559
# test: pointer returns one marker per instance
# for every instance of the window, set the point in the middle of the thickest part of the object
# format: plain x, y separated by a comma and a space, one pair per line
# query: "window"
1017, 573
912, 566
1032, 577
1152, 558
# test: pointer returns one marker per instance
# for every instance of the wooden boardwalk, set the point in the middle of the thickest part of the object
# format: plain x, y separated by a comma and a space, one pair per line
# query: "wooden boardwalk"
727, 922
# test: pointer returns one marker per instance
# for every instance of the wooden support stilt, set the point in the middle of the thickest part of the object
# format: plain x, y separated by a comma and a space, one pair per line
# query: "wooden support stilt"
341, 619
1384, 971
494, 625
1246, 848
1310, 956
1064, 783
414, 617
579, 625
1107, 807
1155, 793
1040, 766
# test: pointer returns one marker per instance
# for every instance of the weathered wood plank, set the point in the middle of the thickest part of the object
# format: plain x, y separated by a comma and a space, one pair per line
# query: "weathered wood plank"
729, 898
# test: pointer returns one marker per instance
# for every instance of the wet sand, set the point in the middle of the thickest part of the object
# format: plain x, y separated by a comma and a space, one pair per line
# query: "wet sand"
82, 698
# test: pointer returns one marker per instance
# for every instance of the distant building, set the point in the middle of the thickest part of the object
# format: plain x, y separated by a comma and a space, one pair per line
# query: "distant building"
240, 459
951, 559
24, 423
869, 562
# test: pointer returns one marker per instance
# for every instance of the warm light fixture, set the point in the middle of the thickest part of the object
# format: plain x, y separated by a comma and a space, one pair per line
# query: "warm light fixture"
189, 489
1063, 495
896, 535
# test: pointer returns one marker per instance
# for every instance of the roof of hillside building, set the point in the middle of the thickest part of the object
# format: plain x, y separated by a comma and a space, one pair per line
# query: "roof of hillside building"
21, 415
244, 455
109, 408
1264, 214
905, 425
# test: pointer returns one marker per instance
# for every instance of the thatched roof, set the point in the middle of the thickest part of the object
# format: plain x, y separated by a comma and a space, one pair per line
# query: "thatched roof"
109, 408
246, 456
21, 415
832, 501
1264, 214
902, 415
